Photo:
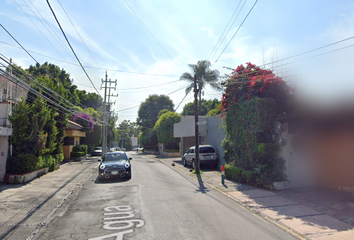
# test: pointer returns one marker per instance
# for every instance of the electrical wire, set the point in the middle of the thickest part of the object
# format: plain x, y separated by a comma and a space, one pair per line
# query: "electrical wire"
42, 32
75, 64
221, 36
46, 90
122, 110
151, 34
79, 34
236, 31
67, 40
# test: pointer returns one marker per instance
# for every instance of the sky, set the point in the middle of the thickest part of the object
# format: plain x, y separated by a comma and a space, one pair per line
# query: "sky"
147, 50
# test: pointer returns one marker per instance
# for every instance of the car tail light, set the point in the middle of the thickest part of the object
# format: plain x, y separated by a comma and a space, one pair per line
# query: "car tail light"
217, 156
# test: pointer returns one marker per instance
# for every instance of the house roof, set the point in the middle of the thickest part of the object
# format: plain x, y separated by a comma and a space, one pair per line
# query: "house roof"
74, 126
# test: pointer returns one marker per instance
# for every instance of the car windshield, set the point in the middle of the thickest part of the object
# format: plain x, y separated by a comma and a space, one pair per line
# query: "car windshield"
115, 157
206, 150
98, 148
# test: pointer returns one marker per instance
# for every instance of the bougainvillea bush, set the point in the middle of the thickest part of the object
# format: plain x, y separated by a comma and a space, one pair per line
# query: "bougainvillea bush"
84, 120
252, 101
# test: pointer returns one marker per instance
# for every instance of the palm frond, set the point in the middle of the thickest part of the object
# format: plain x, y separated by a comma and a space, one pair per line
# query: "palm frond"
186, 76
216, 86
189, 88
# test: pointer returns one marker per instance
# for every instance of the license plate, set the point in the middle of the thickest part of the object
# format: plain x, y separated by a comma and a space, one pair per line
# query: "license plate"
114, 172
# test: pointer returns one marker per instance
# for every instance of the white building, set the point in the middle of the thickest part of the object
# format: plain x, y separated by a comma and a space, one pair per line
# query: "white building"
9, 93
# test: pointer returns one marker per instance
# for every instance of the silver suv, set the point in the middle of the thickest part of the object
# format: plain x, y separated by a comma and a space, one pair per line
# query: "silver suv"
207, 156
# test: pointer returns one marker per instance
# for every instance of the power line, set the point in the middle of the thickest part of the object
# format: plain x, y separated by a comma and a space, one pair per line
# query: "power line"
226, 28
50, 92
139, 104
17, 42
28, 54
114, 70
79, 34
236, 31
151, 86
41, 30
49, 28
151, 34
313, 50
180, 102
67, 40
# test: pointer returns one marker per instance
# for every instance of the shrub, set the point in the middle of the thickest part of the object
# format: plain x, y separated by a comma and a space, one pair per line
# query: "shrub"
77, 154
249, 177
22, 163
233, 172
80, 148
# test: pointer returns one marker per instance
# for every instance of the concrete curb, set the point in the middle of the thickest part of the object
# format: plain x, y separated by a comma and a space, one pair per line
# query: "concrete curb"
283, 226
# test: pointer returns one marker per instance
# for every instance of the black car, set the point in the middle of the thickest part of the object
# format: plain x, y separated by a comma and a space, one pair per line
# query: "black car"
114, 165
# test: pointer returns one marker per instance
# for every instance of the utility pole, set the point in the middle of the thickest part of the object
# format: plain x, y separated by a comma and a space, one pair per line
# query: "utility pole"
104, 117
196, 126
109, 102
105, 104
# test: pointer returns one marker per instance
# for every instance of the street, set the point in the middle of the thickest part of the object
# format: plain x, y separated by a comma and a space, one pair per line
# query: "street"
157, 203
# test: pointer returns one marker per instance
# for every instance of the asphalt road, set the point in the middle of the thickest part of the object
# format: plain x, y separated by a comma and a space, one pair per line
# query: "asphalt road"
157, 203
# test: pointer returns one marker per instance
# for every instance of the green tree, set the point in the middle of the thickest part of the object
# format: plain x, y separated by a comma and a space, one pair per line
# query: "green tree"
204, 76
150, 108
90, 100
126, 130
21, 138
40, 115
58, 76
212, 106
164, 129
52, 131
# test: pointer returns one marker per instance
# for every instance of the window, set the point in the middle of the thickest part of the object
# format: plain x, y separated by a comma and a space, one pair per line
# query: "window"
115, 157
191, 151
206, 150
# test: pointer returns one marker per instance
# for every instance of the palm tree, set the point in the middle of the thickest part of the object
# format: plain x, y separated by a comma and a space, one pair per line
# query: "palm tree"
204, 76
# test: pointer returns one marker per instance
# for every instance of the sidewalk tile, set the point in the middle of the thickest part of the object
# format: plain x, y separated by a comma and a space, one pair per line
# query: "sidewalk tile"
315, 224
292, 211
342, 235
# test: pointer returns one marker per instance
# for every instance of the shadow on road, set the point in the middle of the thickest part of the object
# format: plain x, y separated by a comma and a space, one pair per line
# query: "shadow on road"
108, 181
202, 188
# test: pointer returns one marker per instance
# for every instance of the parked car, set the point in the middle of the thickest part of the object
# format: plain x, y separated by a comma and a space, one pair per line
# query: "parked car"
97, 151
112, 149
114, 165
207, 156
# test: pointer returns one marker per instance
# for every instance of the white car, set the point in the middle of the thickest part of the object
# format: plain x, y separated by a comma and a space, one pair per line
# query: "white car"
207, 156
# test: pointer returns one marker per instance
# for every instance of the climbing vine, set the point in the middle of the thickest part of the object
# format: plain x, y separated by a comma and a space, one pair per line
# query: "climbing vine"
252, 101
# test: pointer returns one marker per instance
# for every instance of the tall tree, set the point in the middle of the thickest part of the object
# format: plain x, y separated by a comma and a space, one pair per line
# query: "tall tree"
150, 108
204, 76
164, 129
206, 107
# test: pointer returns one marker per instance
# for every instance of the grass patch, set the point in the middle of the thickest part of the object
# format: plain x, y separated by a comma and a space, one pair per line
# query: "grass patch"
200, 172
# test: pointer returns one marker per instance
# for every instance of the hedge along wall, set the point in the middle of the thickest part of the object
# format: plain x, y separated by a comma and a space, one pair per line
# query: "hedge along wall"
248, 144
252, 100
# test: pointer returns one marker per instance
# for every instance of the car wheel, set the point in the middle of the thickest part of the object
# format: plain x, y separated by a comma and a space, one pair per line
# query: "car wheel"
184, 162
193, 164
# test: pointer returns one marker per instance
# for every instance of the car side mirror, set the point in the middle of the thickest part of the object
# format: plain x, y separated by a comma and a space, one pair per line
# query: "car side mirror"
130, 158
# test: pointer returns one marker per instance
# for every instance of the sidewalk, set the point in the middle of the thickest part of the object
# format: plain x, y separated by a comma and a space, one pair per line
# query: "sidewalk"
26, 208
312, 213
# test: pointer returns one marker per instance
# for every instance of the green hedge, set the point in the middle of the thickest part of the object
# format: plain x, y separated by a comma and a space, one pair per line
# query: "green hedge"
23, 163
240, 175
80, 148
77, 154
